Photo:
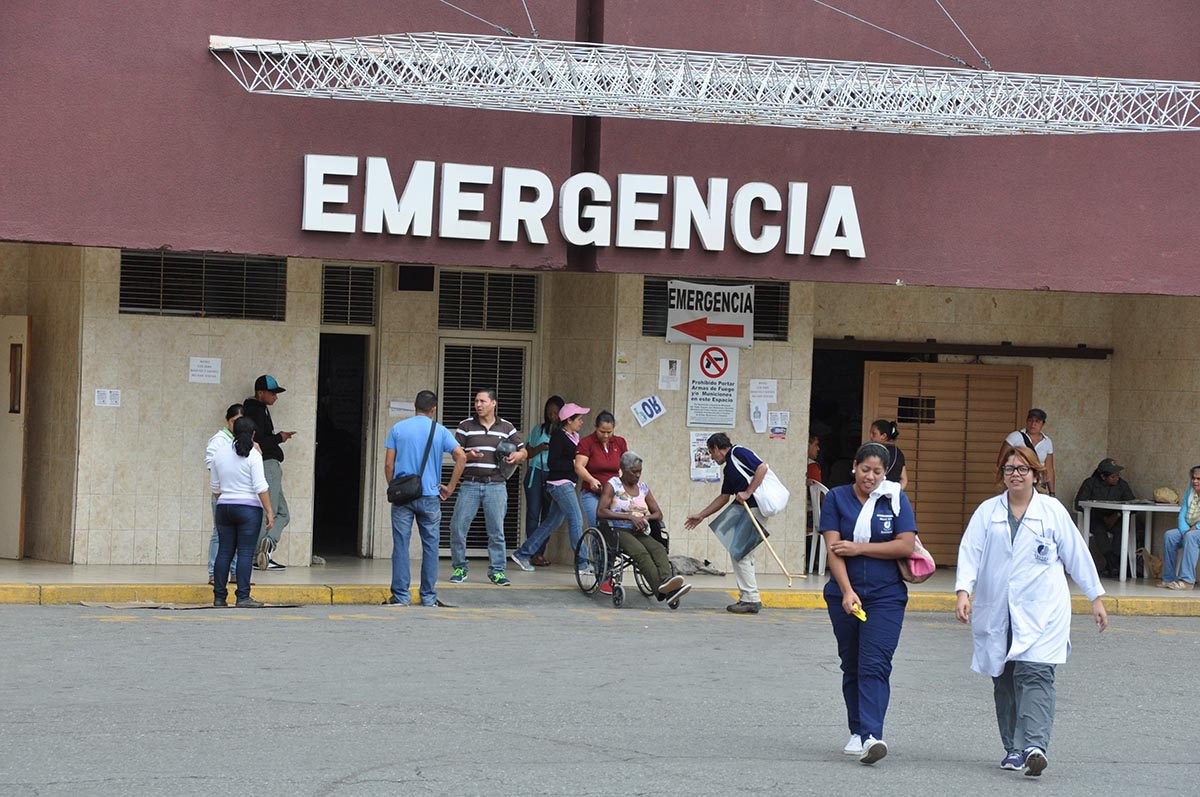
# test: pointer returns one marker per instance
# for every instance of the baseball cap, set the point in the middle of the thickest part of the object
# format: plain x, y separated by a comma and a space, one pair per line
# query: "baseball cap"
1108, 466
571, 408
267, 382
1036, 413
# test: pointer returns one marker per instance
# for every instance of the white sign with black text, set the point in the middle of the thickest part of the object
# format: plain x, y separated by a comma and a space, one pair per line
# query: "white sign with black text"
720, 314
712, 387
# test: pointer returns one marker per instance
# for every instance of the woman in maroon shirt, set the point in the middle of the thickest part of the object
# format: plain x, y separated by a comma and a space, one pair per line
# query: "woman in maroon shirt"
598, 459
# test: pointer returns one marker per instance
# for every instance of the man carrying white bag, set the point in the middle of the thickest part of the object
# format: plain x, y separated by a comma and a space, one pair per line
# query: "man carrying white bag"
750, 481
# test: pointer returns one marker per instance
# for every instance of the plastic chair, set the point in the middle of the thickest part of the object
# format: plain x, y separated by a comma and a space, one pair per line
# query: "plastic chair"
816, 494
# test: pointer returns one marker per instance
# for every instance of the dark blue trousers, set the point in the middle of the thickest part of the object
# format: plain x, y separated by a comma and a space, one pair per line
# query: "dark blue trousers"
237, 530
866, 651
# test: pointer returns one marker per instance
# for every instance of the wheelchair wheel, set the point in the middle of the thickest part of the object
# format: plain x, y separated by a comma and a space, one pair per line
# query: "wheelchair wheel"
618, 597
593, 554
643, 585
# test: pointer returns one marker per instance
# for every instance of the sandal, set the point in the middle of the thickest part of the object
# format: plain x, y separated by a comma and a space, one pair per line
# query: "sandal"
1165, 585
1181, 585
539, 561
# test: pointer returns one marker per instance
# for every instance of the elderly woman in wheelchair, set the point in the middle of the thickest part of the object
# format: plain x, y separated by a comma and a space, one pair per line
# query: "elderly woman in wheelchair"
628, 508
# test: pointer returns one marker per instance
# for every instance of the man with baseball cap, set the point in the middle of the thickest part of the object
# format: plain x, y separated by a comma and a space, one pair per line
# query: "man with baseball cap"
1032, 437
1106, 484
256, 408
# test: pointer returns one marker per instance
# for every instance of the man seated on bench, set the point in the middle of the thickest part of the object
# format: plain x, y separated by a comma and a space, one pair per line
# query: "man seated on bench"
628, 506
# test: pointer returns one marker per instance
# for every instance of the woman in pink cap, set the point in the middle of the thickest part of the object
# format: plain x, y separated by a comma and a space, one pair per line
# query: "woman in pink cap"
560, 486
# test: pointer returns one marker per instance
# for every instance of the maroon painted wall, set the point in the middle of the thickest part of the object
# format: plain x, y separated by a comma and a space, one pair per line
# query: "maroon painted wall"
120, 129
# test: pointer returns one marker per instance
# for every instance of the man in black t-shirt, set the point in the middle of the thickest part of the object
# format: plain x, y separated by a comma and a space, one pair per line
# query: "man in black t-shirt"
266, 393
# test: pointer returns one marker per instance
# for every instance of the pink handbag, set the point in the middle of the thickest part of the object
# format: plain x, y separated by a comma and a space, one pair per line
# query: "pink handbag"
919, 566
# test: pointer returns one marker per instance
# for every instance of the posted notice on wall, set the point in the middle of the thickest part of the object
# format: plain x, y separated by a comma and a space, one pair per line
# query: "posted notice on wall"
648, 409
712, 386
703, 467
779, 420
107, 397
205, 370
668, 374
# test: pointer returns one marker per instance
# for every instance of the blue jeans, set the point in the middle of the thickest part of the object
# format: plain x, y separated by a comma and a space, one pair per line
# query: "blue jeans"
866, 651
237, 528
535, 504
494, 498
1190, 541
427, 512
564, 503
213, 544
590, 501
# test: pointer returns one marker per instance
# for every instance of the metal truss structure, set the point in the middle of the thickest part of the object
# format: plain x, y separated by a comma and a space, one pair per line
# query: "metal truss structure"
540, 76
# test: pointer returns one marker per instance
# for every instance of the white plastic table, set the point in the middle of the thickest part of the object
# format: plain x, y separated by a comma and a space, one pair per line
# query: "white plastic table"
1126, 508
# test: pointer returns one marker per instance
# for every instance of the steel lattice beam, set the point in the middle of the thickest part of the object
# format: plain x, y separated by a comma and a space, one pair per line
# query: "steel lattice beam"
539, 76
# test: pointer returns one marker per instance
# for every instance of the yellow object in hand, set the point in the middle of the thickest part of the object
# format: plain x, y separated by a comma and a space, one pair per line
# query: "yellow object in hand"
858, 612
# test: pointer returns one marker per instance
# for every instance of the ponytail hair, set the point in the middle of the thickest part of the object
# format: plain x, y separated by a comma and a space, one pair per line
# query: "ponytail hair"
886, 428
243, 436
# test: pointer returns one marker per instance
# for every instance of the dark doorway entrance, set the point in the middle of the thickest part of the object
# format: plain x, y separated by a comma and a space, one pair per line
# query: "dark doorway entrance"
835, 410
337, 503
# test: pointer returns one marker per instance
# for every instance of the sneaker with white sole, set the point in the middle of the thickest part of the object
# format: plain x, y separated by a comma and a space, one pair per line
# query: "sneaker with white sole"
499, 579
522, 562
673, 597
854, 746
873, 750
1013, 761
459, 575
1035, 761
273, 565
670, 585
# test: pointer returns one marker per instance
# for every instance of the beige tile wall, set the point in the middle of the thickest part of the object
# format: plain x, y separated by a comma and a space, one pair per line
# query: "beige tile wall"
408, 364
1155, 392
663, 444
143, 490
1074, 393
14, 279
51, 440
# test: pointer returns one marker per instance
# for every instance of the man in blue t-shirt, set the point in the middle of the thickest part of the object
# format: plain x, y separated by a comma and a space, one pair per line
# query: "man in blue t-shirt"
739, 462
404, 448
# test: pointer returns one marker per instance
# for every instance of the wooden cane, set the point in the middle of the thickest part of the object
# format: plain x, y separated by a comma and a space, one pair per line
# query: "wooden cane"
771, 548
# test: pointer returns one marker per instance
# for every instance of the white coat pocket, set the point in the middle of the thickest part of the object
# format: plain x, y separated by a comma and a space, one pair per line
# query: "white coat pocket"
1045, 552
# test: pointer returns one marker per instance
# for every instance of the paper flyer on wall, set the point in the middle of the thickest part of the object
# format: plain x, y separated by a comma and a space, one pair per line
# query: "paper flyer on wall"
703, 467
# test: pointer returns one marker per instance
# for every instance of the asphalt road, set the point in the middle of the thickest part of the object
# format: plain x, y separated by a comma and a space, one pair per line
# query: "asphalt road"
521, 695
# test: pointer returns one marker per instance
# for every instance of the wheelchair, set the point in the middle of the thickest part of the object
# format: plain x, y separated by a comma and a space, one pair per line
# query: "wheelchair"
600, 549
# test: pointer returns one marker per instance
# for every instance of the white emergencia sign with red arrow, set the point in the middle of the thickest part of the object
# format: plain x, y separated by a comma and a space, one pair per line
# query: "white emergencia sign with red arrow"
714, 314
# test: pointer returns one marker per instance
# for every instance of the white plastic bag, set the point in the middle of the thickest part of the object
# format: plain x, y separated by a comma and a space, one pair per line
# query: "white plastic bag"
771, 496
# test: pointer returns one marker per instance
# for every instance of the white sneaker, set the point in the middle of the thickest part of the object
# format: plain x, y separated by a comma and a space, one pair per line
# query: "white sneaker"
873, 750
522, 562
854, 746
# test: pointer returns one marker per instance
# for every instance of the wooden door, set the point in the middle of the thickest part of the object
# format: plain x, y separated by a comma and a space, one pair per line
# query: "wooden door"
14, 366
952, 420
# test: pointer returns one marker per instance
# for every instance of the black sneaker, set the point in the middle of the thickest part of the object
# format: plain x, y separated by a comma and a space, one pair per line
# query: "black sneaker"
499, 579
744, 607
273, 565
250, 603
673, 598
220, 603
439, 605
393, 601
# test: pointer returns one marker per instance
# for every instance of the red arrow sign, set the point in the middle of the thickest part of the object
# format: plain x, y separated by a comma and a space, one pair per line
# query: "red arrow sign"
700, 329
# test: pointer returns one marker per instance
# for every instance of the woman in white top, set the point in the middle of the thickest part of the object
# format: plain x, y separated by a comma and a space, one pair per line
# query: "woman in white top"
1032, 437
1012, 557
240, 488
628, 506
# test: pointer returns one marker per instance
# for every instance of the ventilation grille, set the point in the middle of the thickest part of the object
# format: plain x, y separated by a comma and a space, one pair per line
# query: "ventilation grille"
157, 282
485, 301
770, 307
348, 295
466, 369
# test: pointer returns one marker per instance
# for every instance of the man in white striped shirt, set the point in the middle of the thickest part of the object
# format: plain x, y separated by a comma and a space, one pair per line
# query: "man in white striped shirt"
483, 485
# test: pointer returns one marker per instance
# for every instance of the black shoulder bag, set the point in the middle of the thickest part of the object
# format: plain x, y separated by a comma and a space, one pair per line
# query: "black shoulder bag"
405, 489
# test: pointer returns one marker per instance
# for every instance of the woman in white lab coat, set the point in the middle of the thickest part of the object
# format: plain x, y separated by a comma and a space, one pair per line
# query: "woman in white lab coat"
1012, 557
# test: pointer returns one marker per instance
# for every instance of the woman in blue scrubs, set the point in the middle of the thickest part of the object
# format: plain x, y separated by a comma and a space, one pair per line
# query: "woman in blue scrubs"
867, 526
